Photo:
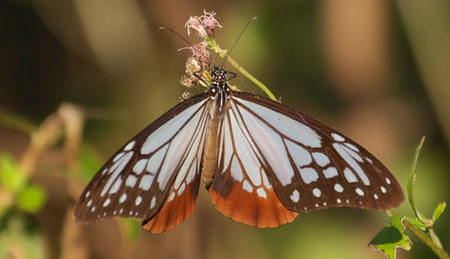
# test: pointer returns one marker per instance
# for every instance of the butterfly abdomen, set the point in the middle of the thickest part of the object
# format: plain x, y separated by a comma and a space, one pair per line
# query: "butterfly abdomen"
210, 151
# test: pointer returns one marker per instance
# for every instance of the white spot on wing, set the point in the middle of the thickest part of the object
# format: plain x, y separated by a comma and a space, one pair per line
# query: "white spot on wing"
299, 154
321, 159
376, 196
155, 161
131, 181
146, 182
383, 189
118, 156
153, 202
330, 172
138, 200
171, 196
309, 175
123, 198
265, 179
351, 178
236, 172
88, 193
192, 172
337, 137
261, 192
295, 196
338, 188
359, 191
246, 186
316, 192
388, 181
182, 188
227, 144
140, 165
129, 146
116, 186
353, 147
89, 203
107, 202
339, 201
352, 153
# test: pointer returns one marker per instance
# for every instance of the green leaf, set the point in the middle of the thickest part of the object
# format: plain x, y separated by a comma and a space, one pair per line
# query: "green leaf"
11, 177
412, 179
438, 211
417, 223
391, 237
31, 199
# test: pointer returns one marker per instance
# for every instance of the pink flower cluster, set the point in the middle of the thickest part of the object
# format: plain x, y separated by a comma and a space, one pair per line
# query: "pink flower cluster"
198, 65
204, 25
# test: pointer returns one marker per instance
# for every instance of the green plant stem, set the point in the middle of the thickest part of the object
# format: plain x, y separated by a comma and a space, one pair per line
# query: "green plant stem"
427, 240
422, 236
411, 180
223, 53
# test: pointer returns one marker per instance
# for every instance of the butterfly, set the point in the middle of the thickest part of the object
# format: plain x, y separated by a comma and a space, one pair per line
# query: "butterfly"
262, 163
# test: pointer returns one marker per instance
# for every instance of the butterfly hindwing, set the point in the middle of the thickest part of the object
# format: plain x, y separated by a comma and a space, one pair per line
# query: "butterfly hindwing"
311, 166
241, 189
156, 172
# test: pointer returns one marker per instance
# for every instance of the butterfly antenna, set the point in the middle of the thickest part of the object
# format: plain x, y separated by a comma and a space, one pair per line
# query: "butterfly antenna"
239, 37
176, 33
181, 37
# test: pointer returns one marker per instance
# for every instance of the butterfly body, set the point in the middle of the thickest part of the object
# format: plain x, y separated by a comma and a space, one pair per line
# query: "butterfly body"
261, 162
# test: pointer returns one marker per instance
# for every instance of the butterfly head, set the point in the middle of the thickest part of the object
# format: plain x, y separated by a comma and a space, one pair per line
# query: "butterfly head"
219, 86
219, 75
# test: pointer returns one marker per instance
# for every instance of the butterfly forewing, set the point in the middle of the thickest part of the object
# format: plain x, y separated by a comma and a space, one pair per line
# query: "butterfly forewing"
310, 165
159, 166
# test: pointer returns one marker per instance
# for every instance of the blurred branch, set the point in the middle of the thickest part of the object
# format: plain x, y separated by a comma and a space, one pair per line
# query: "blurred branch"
72, 243
69, 119
15, 121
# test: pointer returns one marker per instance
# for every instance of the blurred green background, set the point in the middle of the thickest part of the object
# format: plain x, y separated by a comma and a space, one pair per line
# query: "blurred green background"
377, 70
